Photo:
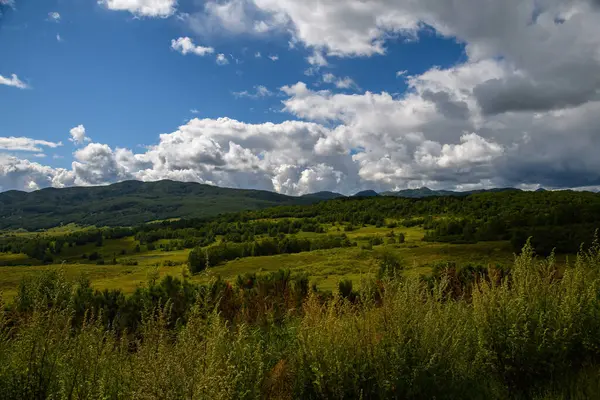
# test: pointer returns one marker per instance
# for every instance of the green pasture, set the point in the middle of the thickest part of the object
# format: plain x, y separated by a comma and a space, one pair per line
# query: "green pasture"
325, 268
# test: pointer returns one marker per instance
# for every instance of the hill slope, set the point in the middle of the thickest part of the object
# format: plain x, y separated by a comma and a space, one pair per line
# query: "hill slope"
324, 195
426, 192
130, 203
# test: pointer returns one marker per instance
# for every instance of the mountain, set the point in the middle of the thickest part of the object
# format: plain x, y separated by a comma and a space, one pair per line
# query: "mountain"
366, 193
134, 202
323, 195
130, 203
426, 192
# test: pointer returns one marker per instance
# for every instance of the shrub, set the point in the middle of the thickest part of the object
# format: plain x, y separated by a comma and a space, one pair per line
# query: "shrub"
345, 290
401, 238
376, 241
390, 265
128, 261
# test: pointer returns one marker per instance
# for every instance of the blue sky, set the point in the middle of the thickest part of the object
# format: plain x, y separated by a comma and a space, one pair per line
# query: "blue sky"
465, 107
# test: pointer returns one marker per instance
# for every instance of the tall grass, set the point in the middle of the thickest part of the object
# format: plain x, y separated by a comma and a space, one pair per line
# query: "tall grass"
533, 333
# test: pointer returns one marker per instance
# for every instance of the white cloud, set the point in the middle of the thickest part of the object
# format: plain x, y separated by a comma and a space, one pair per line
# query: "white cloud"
19, 174
274, 57
352, 27
261, 27
340, 83
143, 8
328, 78
13, 81
54, 16
97, 164
78, 135
317, 59
185, 45
473, 149
401, 73
194, 111
232, 15
32, 185
58, 38
25, 144
260, 91
257, 54
222, 59
345, 83
523, 109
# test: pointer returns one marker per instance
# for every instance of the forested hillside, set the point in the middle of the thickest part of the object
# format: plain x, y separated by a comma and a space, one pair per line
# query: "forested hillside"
129, 203
133, 202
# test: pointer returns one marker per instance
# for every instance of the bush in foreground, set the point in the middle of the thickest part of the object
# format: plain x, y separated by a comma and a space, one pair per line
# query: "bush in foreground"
533, 333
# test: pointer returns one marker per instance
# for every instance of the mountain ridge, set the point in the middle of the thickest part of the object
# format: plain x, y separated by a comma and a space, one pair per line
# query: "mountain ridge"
134, 202
130, 203
426, 192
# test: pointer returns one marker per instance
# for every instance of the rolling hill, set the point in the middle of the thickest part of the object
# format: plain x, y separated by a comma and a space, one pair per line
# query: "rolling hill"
130, 203
426, 192
133, 202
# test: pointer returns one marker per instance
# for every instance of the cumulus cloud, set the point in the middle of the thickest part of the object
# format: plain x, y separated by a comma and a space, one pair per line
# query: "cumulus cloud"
232, 16
274, 57
78, 135
185, 45
522, 109
25, 144
142, 8
21, 174
352, 27
96, 164
13, 81
526, 34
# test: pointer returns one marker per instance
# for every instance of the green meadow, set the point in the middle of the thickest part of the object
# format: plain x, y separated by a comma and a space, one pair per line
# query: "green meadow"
325, 268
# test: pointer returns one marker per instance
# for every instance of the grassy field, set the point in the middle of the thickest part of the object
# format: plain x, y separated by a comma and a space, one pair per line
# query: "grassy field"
325, 268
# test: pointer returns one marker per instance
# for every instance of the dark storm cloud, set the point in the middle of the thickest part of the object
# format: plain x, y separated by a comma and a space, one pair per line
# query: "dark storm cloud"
518, 94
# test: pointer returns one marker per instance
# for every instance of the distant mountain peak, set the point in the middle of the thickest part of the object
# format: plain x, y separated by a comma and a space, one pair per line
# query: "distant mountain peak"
366, 193
323, 195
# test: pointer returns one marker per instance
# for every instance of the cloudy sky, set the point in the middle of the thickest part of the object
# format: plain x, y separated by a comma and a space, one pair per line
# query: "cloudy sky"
301, 96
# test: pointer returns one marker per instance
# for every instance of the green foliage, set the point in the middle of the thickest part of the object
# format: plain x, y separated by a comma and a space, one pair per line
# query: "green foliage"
198, 260
390, 266
533, 333
401, 238
130, 203
202, 257
345, 290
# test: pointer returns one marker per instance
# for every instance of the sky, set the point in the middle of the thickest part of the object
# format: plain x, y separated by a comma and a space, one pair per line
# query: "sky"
301, 96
